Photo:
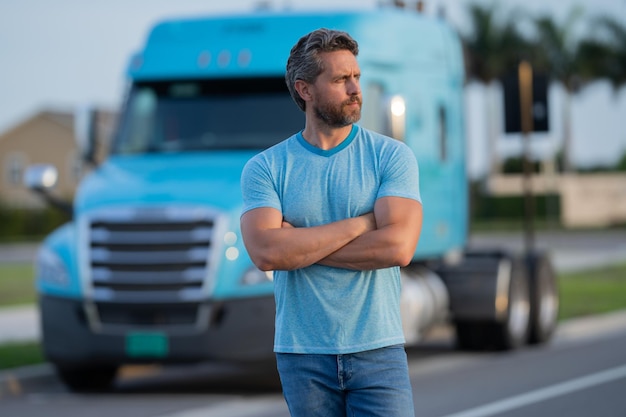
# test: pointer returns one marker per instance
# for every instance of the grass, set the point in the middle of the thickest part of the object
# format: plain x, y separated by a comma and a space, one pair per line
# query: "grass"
17, 287
17, 284
509, 225
592, 292
14, 355
582, 293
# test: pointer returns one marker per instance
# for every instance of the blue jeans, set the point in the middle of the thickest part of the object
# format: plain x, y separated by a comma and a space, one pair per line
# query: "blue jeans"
370, 383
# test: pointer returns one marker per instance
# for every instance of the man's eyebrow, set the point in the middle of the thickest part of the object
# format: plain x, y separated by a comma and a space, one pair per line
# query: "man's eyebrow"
347, 75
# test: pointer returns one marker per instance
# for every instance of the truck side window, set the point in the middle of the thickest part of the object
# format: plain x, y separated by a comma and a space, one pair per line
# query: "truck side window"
140, 126
372, 117
443, 134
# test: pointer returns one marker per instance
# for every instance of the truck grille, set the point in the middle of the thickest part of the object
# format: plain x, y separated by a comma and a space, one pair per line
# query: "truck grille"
150, 258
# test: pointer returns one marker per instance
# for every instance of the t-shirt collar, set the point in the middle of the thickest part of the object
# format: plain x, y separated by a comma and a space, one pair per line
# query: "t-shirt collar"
329, 152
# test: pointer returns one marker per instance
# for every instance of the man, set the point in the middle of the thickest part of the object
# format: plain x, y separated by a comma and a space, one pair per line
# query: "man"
334, 210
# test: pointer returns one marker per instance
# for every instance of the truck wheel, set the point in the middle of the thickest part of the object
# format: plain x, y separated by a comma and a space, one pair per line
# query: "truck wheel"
471, 335
87, 379
512, 332
544, 298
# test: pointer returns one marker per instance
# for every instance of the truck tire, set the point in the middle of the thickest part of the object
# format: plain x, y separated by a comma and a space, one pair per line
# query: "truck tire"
544, 298
512, 332
88, 379
472, 335
509, 332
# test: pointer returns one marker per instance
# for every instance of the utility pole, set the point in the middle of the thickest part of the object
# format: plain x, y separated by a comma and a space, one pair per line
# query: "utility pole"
525, 77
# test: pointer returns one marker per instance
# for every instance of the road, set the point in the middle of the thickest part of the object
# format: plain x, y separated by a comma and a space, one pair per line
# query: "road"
582, 372
569, 250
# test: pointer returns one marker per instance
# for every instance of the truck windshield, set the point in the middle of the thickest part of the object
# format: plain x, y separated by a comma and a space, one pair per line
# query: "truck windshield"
172, 116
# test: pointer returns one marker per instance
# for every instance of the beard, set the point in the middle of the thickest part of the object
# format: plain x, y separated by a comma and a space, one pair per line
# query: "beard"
339, 115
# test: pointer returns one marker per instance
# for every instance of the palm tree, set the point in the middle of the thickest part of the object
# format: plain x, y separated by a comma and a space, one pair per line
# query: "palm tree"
558, 49
493, 48
494, 45
559, 53
606, 51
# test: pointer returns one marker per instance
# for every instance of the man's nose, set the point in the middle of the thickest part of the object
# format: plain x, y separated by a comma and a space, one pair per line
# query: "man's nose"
354, 87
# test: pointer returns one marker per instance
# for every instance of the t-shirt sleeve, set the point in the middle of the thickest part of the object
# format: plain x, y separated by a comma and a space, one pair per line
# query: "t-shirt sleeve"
400, 174
257, 186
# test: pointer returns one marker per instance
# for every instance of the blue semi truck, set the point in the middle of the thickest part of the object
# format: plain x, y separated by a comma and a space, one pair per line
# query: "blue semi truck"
152, 268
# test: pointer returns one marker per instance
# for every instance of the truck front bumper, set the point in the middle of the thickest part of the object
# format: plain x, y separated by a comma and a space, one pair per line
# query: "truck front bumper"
236, 330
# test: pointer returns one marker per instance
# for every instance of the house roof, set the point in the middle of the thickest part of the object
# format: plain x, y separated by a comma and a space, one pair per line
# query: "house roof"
64, 119
61, 118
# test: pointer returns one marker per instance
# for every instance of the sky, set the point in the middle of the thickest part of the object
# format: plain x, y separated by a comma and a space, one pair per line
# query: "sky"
66, 53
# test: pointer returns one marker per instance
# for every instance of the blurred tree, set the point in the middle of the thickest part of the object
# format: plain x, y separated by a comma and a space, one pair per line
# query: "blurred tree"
593, 61
558, 48
621, 164
558, 52
605, 52
494, 45
515, 165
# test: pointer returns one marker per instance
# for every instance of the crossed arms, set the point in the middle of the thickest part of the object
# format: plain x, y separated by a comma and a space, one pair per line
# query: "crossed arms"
387, 237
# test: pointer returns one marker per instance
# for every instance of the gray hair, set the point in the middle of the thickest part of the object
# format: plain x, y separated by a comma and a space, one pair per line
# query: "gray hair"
304, 61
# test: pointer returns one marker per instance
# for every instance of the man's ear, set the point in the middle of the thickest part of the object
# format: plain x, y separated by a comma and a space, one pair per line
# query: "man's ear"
304, 90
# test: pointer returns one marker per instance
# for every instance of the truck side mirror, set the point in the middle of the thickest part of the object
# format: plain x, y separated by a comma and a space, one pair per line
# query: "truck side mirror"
41, 178
85, 132
395, 116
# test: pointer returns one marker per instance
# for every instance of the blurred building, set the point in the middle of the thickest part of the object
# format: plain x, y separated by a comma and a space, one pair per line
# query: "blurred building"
594, 120
587, 200
46, 137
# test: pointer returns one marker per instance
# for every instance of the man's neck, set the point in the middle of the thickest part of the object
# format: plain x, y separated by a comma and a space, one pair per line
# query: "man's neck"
324, 136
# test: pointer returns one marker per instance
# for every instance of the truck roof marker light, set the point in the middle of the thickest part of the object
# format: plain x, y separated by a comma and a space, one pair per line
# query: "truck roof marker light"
244, 58
223, 59
204, 59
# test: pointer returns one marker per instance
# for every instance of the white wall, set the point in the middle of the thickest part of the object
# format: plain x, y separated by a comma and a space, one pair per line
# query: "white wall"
598, 125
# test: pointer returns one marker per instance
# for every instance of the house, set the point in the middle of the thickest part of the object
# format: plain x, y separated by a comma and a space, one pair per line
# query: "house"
47, 137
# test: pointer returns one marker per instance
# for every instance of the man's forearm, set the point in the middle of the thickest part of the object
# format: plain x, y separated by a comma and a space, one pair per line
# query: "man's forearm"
382, 248
393, 243
277, 247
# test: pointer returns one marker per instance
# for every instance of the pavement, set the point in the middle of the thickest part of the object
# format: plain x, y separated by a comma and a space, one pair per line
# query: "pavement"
19, 324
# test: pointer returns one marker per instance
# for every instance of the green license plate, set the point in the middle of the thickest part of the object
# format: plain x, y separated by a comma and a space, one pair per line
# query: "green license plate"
147, 345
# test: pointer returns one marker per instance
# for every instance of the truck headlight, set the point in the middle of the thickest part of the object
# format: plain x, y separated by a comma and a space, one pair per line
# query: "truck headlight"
49, 268
254, 276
